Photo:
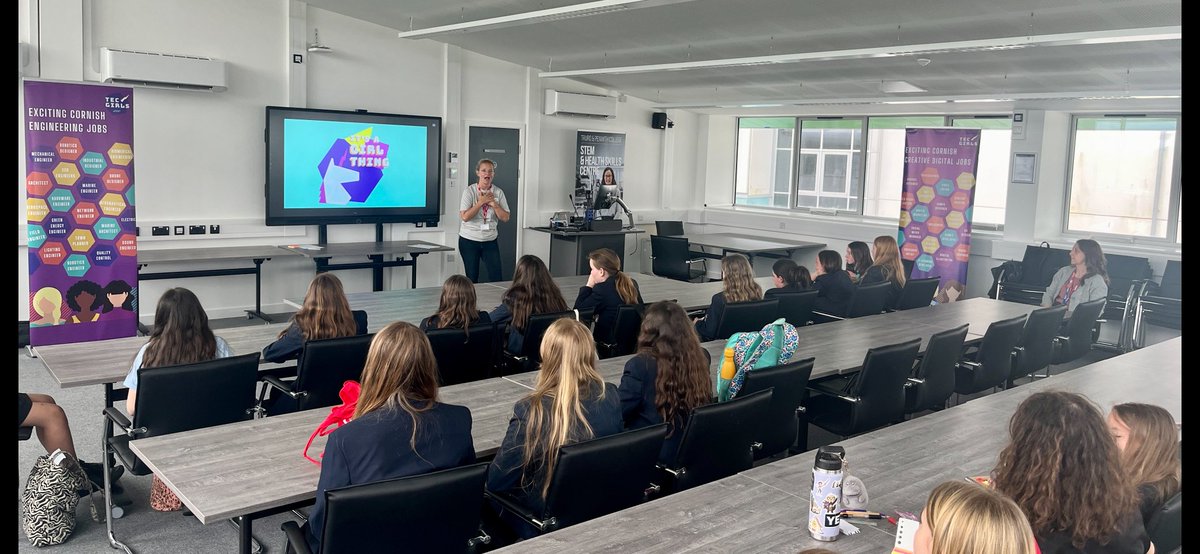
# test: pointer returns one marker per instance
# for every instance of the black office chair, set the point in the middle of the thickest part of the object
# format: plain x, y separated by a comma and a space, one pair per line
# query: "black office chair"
917, 293
1166, 525
622, 339
594, 478
23, 433
1036, 347
867, 300
872, 398
324, 365
668, 228
1027, 280
1078, 340
992, 363
747, 316
932, 382
671, 258
530, 356
464, 356
1160, 302
434, 512
719, 441
797, 307
785, 428
174, 399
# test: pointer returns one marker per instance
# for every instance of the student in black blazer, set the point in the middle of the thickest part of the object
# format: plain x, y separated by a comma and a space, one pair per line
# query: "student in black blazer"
670, 362
833, 285
887, 268
788, 277
457, 306
567, 383
326, 314
606, 290
533, 291
399, 428
737, 279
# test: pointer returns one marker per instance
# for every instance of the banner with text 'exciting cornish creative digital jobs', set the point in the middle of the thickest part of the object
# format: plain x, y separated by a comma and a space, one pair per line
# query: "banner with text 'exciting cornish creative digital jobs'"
79, 209
936, 205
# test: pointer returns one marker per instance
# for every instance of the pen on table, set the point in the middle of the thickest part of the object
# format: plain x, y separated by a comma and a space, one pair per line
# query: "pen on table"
863, 514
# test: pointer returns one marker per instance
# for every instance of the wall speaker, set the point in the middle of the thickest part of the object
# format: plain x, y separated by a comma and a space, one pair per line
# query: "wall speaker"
658, 120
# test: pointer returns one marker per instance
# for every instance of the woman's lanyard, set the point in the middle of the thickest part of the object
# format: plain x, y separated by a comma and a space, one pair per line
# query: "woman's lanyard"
1068, 289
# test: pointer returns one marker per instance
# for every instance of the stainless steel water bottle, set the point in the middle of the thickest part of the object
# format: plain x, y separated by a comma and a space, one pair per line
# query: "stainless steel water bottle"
825, 502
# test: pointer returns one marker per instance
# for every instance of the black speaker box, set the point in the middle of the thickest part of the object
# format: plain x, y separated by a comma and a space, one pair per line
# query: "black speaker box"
658, 120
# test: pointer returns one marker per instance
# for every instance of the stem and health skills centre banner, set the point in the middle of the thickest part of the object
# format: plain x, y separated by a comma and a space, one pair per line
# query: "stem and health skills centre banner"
935, 208
599, 168
79, 210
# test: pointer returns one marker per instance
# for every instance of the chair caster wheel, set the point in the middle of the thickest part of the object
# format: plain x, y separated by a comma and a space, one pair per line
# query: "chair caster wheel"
117, 512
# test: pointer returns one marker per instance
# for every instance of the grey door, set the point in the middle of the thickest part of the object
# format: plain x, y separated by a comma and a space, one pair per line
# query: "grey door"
502, 146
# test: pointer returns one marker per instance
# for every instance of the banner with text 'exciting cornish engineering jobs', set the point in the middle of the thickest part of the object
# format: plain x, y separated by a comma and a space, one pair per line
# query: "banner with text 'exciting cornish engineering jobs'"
79, 209
936, 205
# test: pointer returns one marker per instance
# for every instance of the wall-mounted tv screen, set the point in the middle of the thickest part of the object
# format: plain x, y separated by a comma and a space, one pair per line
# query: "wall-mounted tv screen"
337, 167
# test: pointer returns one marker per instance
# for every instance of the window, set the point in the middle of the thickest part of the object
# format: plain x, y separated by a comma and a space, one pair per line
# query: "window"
764, 161
885, 161
1123, 176
830, 164
991, 174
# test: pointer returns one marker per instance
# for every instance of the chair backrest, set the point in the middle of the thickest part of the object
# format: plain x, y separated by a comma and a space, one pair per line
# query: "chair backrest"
179, 398
869, 299
937, 369
669, 228
1039, 264
535, 329
917, 293
434, 512
747, 316
1122, 272
327, 363
465, 355
1172, 280
1036, 347
604, 475
995, 354
23, 433
797, 307
879, 385
1079, 330
789, 383
625, 334
718, 439
1166, 525
670, 257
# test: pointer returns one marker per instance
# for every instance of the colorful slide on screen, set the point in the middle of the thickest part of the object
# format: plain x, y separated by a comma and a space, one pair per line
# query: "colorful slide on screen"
334, 164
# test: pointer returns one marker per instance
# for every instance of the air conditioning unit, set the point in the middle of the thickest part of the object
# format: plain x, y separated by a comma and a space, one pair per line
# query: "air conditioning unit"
150, 69
580, 105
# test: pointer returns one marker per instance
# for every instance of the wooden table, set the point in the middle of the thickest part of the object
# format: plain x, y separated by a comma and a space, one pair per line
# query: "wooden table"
750, 245
766, 509
373, 251
256, 254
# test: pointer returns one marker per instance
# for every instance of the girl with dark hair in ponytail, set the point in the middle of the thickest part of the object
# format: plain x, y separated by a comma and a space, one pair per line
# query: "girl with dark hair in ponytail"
789, 277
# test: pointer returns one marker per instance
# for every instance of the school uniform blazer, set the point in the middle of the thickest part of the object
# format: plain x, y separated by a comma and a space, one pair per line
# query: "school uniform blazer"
707, 327
1092, 288
787, 289
639, 402
516, 339
375, 447
833, 292
289, 346
605, 299
505, 473
431, 323
873, 275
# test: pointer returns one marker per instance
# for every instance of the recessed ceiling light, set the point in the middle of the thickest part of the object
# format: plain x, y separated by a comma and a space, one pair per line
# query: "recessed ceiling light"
915, 102
899, 86
551, 14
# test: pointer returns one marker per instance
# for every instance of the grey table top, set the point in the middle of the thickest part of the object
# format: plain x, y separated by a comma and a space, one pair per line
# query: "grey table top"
385, 248
766, 509
214, 253
574, 233
746, 243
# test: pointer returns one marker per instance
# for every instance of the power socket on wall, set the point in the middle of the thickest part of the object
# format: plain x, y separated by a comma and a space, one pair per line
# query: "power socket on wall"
782, 225
450, 258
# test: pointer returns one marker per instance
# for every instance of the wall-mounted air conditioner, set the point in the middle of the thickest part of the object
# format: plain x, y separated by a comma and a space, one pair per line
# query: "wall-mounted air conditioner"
149, 69
580, 105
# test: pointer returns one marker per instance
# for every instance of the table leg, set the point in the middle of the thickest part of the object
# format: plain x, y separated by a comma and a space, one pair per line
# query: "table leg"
413, 283
377, 272
258, 292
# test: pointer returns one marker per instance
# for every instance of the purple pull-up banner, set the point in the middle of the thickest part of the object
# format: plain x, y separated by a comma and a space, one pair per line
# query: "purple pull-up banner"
935, 209
79, 209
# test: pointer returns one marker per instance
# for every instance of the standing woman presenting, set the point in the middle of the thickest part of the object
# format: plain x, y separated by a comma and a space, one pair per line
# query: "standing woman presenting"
482, 209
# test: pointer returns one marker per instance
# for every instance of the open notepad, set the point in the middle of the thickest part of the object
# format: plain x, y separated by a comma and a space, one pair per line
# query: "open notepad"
906, 533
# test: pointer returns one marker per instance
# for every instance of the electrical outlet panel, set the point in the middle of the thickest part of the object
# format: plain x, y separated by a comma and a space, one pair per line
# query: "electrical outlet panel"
450, 258
160, 230
214, 229
179, 229
782, 225
196, 229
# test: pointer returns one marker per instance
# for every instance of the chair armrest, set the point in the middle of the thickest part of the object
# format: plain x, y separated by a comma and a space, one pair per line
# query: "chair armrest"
295, 537
914, 381
122, 422
974, 366
830, 316
830, 391
278, 384
696, 260
520, 511
675, 473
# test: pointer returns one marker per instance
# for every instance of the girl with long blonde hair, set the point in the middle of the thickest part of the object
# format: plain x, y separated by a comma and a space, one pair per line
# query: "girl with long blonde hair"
737, 282
325, 314
399, 427
570, 402
887, 267
606, 290
967, 518
457, 307
1149, 443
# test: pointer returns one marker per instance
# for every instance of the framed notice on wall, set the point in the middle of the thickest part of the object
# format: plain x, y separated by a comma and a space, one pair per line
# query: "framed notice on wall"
1024, 167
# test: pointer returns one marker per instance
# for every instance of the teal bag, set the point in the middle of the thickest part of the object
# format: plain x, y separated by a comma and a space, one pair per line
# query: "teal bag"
772, 346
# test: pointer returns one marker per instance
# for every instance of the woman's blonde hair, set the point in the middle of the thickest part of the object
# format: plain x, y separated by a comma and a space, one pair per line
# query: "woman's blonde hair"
737, 278
608, 260
400, 373
326, 311
966, 518
1151, 454
53, 295
887, 257
568, 376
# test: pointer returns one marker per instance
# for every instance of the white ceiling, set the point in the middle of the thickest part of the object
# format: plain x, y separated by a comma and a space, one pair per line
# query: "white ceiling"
672, 31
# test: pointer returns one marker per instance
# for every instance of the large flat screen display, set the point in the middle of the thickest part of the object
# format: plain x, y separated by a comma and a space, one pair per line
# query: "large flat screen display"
337, 167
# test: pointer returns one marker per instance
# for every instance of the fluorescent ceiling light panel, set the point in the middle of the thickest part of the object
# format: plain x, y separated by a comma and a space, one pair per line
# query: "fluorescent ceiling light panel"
1005, 43
915, 101
958, 99
550, 14
899, 86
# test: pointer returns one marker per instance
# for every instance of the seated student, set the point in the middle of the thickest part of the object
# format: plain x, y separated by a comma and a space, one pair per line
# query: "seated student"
606, 290
399, 427
326, 314
1149, 443
964, 517
49, 422
858, 260
668, 377
1064, 471
788, 277
457, 307
833, 285
737, 280
570, 403
181, 335
886, 268
533, 292
1086, 279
